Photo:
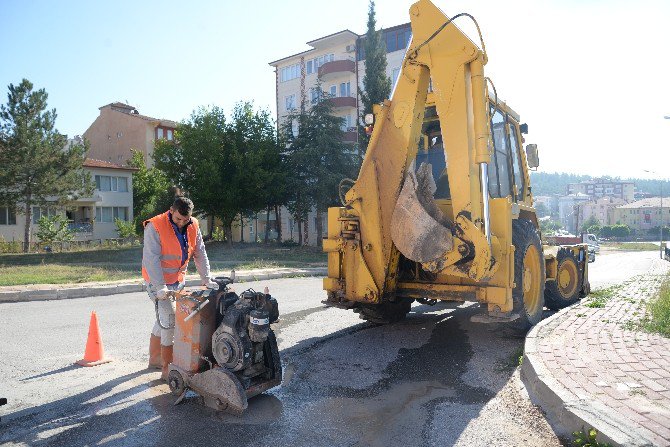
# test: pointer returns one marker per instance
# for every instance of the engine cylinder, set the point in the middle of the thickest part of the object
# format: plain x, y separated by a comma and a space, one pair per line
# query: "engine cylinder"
259, 325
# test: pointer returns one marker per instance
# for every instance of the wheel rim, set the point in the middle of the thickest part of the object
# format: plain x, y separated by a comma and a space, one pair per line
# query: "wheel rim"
567, 278
531, 280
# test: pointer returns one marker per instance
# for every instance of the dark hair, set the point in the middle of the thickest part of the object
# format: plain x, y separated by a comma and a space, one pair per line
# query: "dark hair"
183, 205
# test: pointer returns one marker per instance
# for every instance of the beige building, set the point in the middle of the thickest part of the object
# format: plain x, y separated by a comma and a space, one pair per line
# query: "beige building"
604, 187
643, 214
89, 217
339, 60
601, 209
119, 128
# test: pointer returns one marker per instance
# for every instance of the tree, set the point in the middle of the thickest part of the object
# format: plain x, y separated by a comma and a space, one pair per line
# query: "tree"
39, 168
376, 85
590, 222
541, 210
152, 191
319, 160
53, 228
203, 160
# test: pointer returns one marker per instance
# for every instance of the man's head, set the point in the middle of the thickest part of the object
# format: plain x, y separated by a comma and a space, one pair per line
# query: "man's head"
181, 210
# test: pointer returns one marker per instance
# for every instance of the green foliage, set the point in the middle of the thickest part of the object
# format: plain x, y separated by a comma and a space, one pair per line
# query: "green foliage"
587, 438
376, 85
53, 228
37, 165
541, 210
125, 229
658, 310
588, 223
318, 159
218, 235
152, 192
599, 297
228, 167
618, 230
548, 183
549, 226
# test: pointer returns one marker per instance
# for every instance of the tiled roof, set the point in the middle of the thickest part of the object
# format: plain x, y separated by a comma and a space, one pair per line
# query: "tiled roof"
651, 202
132, 111
93, 163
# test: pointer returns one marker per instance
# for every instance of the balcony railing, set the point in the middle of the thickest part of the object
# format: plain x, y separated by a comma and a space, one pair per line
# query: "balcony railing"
343, 101
80, 227
336, 67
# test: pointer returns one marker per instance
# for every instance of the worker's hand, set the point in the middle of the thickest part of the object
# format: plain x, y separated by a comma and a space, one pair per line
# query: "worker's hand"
162, 293
211, 284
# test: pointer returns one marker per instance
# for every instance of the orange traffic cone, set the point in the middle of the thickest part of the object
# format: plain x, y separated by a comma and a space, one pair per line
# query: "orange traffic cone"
95, 352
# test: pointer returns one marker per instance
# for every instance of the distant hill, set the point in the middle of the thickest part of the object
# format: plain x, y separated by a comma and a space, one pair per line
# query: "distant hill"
547, 183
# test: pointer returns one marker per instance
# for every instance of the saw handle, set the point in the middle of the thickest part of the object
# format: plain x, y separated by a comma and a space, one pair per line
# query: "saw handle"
197, 309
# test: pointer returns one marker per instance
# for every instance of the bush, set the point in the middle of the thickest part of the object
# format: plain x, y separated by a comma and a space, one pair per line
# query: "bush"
53, 228
289, 243
125, 229
219, 234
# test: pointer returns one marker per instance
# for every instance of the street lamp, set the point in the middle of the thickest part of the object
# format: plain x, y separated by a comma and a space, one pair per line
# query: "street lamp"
661, 227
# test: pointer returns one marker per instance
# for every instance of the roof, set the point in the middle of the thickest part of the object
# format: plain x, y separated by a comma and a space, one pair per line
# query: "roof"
132, 111
344, 34
93, 163
651, 202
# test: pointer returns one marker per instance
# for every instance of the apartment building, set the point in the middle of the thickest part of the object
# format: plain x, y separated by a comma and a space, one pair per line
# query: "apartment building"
119, 128
601, 209
604, 187
90, 217
339, 61
643, 215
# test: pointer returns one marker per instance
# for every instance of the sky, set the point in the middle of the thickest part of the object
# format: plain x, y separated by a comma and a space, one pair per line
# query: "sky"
588, 76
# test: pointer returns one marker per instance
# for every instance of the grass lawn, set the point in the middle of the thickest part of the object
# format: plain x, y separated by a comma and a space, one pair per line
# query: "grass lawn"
658, 316
111, 264
631, 246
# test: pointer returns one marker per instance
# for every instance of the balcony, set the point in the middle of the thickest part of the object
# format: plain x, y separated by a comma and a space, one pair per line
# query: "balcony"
351, 136
343, 101
330, 69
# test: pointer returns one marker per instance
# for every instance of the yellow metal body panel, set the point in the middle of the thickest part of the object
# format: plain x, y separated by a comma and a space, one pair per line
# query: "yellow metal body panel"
364, 264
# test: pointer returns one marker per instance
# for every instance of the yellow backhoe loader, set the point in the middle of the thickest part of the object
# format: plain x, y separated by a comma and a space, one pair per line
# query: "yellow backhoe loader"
442, 208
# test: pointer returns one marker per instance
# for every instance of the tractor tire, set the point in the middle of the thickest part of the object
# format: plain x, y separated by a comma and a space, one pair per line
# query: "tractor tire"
529, 274
567, 288
386, 312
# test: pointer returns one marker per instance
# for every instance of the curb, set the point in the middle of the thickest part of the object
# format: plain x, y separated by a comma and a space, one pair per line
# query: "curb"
65, 293
565, 411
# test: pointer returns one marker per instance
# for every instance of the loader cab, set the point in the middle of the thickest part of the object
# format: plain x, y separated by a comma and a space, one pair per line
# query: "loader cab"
431, 151
508, 176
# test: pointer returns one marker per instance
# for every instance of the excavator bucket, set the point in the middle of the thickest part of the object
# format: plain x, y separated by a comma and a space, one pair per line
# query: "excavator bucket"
419, 230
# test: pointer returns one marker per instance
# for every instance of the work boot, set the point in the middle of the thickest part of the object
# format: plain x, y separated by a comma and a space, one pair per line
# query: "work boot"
166, 354
155, 361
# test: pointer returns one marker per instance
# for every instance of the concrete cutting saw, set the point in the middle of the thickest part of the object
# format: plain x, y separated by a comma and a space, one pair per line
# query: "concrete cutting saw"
224, 349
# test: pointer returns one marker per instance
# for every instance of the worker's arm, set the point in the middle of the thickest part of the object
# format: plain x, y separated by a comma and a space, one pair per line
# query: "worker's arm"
200, 258
151, 257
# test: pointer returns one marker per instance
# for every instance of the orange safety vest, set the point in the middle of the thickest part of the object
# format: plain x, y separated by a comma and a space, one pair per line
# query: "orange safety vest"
173, 270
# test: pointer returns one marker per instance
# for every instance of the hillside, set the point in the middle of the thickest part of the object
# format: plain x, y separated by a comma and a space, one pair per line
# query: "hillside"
547, 183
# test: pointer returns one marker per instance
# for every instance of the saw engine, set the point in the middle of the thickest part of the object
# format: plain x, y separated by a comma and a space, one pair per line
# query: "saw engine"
224, 347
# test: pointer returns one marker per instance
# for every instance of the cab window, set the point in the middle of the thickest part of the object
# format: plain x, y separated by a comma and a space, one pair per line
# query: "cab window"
516, 160
500, 178
431, 151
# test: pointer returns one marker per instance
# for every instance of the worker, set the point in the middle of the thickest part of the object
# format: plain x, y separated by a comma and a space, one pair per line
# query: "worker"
171, 239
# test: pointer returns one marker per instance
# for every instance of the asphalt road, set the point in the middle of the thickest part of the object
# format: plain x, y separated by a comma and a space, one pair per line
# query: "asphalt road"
433, 379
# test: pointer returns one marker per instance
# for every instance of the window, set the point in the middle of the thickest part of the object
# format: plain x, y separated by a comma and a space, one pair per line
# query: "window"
38, 212
314, 95
109, 183
164, 133
290, 102
516, 161
394, 75
290, 72
345, 89
109, 213
500, 180
312, 65
7, 216
397, 39
333, 90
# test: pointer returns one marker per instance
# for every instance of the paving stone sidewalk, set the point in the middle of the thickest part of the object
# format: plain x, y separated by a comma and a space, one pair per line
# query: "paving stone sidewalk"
42, 292
589, 367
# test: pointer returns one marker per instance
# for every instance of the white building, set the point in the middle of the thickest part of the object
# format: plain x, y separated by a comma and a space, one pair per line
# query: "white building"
339, 60
89, 217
